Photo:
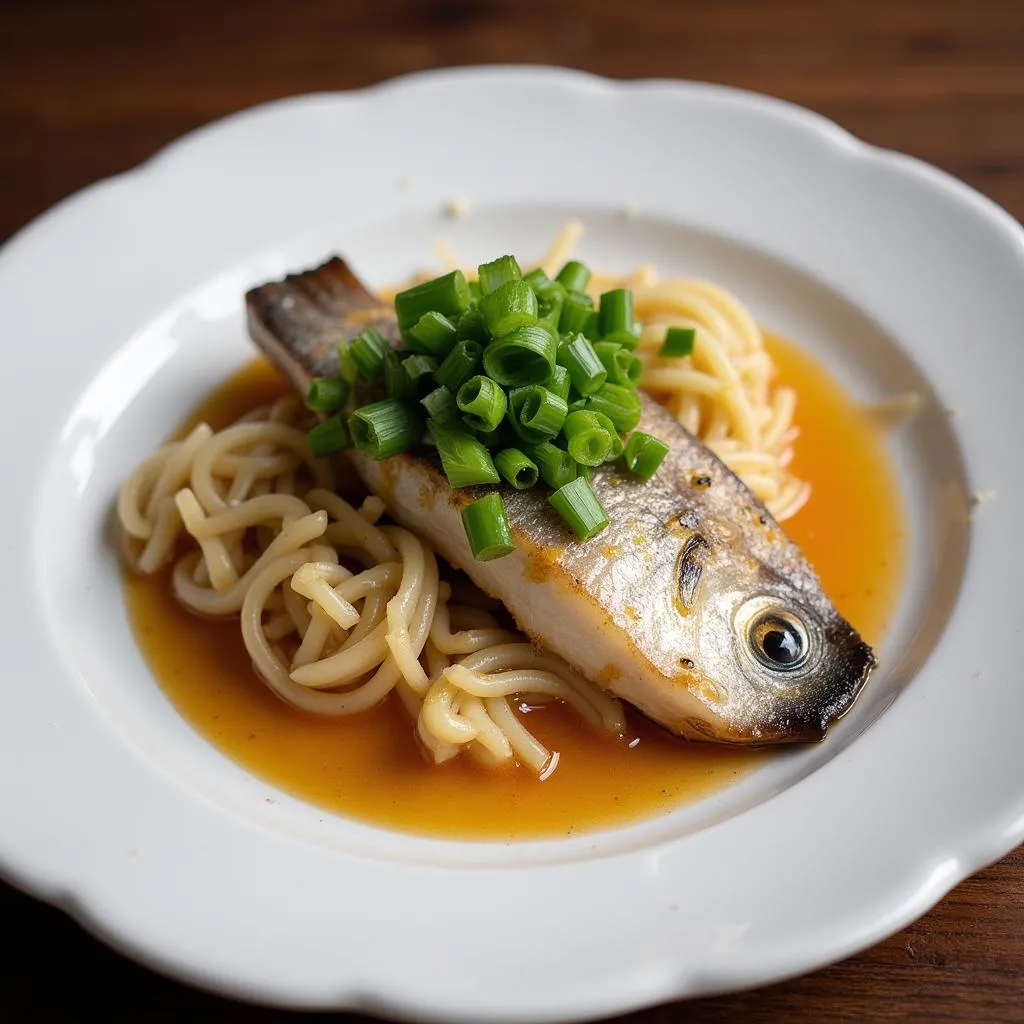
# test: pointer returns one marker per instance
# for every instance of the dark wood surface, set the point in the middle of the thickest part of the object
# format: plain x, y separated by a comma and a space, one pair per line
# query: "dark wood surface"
89, 89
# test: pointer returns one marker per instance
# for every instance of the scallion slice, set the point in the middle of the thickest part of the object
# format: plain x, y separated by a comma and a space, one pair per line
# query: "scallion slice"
523, 356
559, 382
621, 365
576, 311
616, 311
471, 327
537, 414
574, 276
678, 342
448, 294
520, 471
644, 454
434, 333
327, 394
586, 371
465, 460
496, 273
620, 404
369, 350
397, 383
509, 307
441, 405
587, 439
329, 438
487, 528
483, 403
418, 367
347, 369
557, 467
458, 365
386, 428
618, 445
580, 507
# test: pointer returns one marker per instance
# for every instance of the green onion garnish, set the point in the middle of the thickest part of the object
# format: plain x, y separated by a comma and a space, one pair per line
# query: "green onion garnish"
580, 507
396, 381
574, 276
329, 438
509, 307
327, 394
557, 467
471, 327
644, 454
537, 279
440, 405
458, 365
482, 402
387, 428
418, 367
347, 369
448, 295
523, 356
678, 342
576, 311
588, 441
465, 460
621, 365
621, 405
487, 528
434, 333
368, 350
559, 382
496, 273
586, 372
616, 311
618, 447
520, 471
537, 414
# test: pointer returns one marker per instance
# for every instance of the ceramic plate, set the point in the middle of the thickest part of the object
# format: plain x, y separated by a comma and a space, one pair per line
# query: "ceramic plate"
124, 302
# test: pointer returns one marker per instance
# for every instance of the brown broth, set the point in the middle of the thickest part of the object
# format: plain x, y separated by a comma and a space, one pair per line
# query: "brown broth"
369, 767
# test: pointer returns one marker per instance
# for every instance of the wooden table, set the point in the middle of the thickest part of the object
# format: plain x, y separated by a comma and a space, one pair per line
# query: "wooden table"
89, 89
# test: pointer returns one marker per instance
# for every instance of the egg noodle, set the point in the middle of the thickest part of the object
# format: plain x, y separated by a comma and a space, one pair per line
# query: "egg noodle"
337, 610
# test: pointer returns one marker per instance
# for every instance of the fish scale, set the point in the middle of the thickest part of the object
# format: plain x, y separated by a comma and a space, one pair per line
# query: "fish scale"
689, 605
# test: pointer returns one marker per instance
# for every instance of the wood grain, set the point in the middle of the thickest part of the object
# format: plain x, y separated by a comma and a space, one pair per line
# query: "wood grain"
90, 89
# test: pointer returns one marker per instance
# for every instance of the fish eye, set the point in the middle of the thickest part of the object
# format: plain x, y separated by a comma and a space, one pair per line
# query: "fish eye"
779, 641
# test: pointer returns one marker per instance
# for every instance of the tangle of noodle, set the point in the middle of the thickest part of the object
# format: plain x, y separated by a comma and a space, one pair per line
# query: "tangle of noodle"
335, 610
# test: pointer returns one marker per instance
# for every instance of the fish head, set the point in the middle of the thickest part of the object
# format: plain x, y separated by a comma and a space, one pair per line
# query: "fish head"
773, 654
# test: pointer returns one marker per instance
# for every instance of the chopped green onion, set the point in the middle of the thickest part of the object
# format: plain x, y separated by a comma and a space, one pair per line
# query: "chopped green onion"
537, 414
559, 382
586, 372
580, 507
644, 454
509, 307
575, 276
487, 528
327, 394
347, 368
627, 339
474, 291
576, 402
557, 467
465, 460
472, 327
418, 368
441, 405
396, 381
329, 438
523, 356
678, 342
621, 365
588, 441
576, 311
496, 273
549, 305
503, 436
592, 328
458, 365
617, 445
616, 311
483, 402
448, 295
368, 350
434, 333
520, 471
387, 428
621, 405
537, 279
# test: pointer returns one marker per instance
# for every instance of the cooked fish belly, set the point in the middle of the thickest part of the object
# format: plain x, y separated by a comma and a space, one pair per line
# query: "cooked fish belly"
692, 605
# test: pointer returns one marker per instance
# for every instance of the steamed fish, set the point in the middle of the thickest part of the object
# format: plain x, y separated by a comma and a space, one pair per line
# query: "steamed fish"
692, 605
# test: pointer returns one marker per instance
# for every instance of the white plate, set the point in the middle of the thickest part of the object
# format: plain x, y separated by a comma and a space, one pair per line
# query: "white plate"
124, 303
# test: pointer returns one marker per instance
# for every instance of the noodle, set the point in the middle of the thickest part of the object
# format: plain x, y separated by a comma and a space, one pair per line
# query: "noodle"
335, 610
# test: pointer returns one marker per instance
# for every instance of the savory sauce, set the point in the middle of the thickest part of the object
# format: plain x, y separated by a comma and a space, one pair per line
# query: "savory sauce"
369, 767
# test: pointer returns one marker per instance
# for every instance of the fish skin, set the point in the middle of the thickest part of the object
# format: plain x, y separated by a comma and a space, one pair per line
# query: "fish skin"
658, 607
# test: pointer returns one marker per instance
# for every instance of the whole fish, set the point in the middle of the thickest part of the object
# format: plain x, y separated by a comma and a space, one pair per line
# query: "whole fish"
692, 605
